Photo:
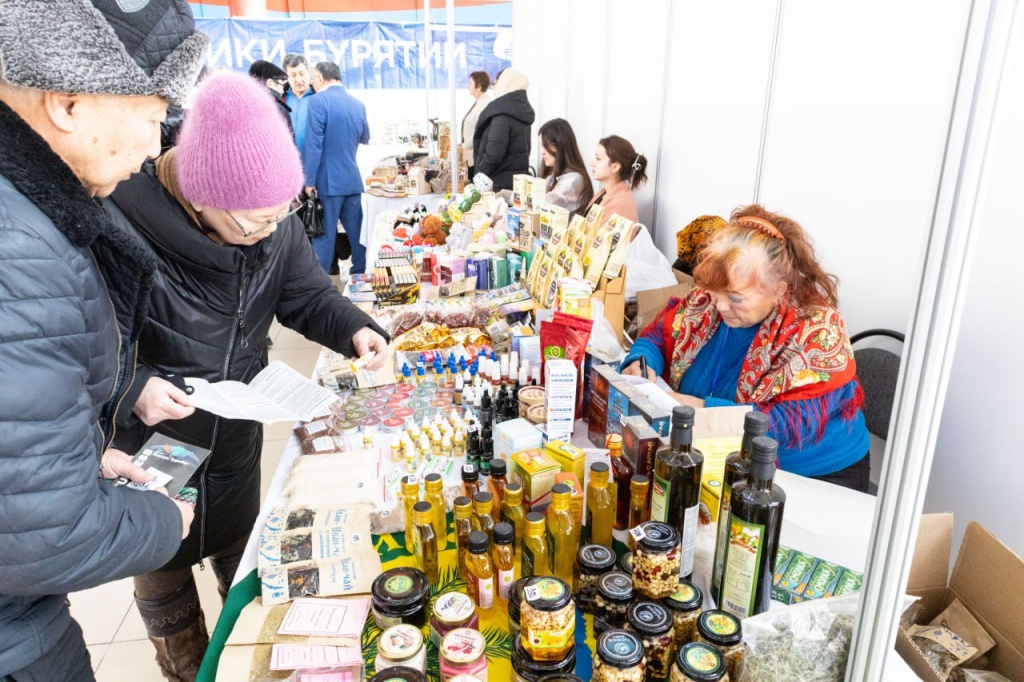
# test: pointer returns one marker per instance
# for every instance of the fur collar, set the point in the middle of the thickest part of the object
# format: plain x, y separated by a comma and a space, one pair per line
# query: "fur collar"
35, 170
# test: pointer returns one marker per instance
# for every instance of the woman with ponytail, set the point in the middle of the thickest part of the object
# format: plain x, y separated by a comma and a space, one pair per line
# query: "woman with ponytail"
620, 169
761, 328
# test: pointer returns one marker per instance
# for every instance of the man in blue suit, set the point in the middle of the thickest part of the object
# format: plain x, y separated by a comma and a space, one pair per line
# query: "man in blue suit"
335, 128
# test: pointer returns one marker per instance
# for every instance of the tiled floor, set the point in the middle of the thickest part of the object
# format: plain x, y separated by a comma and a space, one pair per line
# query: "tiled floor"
113, 629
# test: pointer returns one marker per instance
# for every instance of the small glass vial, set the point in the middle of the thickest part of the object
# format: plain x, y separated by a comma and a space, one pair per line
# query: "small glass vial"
462, 511
548, 618
452, 610
653, 624
615, 594
591, 562
504, 561
723, 630
699, 662
410, 496
482, 519
497, 482
620, 657
684, 605
433, 486
463, 652
656, 560
639, 512
425, 541
480, 572
401, 645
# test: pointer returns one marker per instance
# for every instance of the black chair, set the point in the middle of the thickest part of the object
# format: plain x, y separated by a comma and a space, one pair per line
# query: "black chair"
878, 353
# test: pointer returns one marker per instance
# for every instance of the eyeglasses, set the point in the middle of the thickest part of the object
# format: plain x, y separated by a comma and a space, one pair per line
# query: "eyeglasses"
263, 226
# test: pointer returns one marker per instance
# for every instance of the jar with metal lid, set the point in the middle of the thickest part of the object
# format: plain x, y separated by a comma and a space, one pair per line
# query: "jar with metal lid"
399, 673
723, 630
525, 668
400, 595
548, 618
653, 624
699, 662
515, 600
452, 610
620, 657
592, 561
401, 645
684, 605
463, 652
656, 560
626, 564
615, 594
560, 677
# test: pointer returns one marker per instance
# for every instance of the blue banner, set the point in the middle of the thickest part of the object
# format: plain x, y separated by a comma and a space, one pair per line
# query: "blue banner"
371, 55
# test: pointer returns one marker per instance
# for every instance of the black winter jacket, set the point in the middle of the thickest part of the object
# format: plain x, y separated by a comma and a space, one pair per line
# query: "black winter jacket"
210, 311
64, 358
501, 144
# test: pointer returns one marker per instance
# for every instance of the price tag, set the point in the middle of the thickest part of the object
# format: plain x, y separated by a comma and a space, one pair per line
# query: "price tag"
413, 480
638, 533
531, 592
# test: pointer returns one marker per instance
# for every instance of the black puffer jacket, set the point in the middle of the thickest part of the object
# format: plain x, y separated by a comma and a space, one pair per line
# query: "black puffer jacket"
209, 314
63, 360
501, 144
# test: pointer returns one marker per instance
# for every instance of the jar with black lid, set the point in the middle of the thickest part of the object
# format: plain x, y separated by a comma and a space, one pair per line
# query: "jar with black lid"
656, 558
548, 618
653, 624
615, 594
560, 677
592, 561
626, 563
526, 669
400, 595
515, 601
699, 662
723, 630
684, 605
399, 674
620, 657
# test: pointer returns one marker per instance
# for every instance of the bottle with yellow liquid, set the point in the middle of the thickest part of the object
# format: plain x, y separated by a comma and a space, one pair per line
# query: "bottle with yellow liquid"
514, 513
504, 561
638, 510
410, 496
563, 533
462, 510
433, 485
482, 519
425, 541
536, 552
480, 572
618, 480
600, 506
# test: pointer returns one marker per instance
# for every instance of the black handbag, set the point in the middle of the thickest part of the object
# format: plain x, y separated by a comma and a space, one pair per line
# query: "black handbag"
312, 215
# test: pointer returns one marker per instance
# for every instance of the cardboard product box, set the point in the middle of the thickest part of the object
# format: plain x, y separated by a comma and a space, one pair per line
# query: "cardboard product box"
651, 302
710, 497
597, 421
512, 224
660, 419
621, 395
576, 500
536, 192
520, 187
452, 268
612, 293
457, 288
800, 577
560, 398
535, 470
640, 445
418, 181
529, 226
571, 458
553, 219
987, 578
515, 435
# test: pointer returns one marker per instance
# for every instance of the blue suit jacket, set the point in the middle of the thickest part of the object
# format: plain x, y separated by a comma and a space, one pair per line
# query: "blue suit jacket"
335, 127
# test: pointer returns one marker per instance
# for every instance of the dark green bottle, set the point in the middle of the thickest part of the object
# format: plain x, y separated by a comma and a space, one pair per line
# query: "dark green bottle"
736, 465
676, 496
755, 521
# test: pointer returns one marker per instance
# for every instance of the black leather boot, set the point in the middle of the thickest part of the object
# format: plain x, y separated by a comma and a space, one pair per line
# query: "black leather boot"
177, 628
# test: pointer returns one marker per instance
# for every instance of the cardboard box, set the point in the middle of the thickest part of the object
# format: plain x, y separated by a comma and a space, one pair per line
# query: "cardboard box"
659, 418
710, 497
621, 395
515, 435
651, 302
560, 398
986, 578
418, 181
571, 458
576, 501
529, 226
512, 223
597, 421
536, 191
520, 187
535, 470
612, 293
640, 445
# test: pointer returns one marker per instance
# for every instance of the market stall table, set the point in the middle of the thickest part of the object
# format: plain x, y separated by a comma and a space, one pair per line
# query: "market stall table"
376, 207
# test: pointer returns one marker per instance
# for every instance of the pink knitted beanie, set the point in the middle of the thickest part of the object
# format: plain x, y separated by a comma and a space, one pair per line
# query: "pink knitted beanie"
234, 149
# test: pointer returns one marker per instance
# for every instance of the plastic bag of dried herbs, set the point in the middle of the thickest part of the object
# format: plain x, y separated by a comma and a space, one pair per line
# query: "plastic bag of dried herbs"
809, 641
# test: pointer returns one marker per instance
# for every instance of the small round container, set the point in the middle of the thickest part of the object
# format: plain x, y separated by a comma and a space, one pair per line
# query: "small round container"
615, 594
395, 405
374, 404
626, 563
452, 610
653, 624
370, 424
446, 385
440, 403
592, 561
454, 411
386, 389
527, 669
723, 630
463, 651
394, 425
381, 413
364, 392
428, 386
548, 618
560, 677
355, 414
620, 657
401, 645
515, 600
417, 404
684, 605
536, 414
699, 662
423, 394
445, 395
400, 595
428, 412
399, 674
347, 427
404, 412
656, 559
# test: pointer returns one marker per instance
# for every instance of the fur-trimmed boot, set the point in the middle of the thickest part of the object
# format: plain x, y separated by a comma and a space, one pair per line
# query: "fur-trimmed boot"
177, 628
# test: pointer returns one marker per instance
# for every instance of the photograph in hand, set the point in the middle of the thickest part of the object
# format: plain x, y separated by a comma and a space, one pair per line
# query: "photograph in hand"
171, 462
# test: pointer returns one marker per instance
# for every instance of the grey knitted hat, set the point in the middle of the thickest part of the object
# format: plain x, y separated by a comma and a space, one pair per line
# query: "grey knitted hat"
112, 47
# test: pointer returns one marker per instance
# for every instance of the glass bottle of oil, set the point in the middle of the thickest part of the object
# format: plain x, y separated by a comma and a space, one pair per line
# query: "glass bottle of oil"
563, 533
536, 551
480, 572
638, 511
618, 480
676, 496
755, 521
425, 541
482, 519
433, 486
462, 510
504, 561
496, 484
736, 465
470, 480
600, 506
410, 496
514, 513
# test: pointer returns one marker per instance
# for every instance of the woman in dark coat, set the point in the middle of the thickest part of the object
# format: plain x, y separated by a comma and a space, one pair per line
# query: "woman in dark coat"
501, 143
215, 209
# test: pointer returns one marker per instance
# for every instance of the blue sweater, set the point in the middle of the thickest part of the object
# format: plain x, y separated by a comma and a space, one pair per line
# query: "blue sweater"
714, 375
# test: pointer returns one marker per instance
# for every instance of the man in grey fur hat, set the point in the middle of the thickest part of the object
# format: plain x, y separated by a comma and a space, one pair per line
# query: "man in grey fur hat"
84, 86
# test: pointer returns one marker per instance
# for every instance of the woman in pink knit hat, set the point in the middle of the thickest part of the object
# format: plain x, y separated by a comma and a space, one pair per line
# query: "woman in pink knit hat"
217, 210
